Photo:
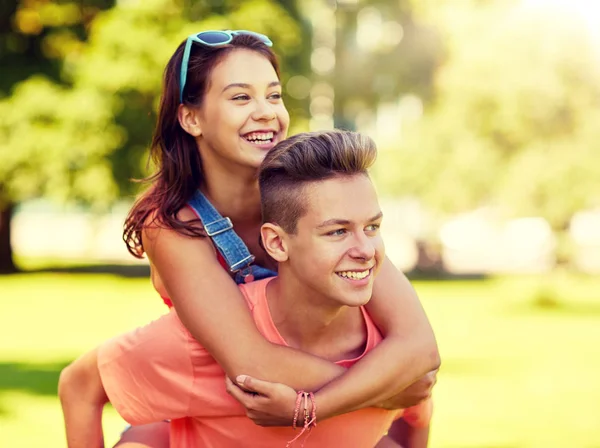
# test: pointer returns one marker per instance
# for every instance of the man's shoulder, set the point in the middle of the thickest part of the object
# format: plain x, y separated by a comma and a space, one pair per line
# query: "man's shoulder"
255, 292
374, 336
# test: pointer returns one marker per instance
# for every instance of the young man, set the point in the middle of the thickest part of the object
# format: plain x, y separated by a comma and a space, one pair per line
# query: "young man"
321, 224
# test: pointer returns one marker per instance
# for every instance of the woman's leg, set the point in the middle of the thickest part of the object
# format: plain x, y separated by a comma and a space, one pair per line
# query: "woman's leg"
152, 435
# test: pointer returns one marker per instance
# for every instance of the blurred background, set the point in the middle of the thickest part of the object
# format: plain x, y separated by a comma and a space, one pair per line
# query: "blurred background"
486, 114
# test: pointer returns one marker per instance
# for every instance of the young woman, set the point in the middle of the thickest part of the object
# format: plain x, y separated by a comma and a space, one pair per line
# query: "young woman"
221, 111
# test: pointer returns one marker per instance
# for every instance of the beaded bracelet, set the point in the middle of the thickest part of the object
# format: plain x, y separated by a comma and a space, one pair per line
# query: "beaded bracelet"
310, 416
297, 409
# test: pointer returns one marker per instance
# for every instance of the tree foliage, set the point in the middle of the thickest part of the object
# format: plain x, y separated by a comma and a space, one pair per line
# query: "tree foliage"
81, 95
382, 51
514, 118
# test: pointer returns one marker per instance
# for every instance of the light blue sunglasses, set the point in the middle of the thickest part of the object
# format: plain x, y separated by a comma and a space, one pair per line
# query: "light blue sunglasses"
212, 38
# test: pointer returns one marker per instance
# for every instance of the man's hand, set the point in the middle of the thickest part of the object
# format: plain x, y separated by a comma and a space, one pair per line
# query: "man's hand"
267, 404
413, 394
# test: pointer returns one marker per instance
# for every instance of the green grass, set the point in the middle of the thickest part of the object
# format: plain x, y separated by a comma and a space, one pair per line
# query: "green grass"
520, 356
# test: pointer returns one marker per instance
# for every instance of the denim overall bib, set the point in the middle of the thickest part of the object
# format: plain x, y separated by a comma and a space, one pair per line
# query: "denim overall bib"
228, 243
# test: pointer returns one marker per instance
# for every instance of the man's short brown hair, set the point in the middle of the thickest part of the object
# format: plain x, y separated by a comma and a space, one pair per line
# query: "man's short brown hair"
304, 158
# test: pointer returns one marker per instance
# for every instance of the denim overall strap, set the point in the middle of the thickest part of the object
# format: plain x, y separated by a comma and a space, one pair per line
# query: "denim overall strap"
220, 230
254, 272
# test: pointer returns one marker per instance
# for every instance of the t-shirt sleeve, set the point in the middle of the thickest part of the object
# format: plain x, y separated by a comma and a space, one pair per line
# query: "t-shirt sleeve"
419, 416
149, 373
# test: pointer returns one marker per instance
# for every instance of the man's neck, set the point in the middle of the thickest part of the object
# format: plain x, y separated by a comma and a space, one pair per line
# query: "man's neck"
313, 324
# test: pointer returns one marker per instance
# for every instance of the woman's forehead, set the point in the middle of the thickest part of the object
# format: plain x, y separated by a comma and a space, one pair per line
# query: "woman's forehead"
242, 66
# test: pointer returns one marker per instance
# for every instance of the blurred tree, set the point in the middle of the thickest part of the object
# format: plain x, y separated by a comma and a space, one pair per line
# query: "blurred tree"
129, 48
382, 52
514, 121
81, 131
35, 38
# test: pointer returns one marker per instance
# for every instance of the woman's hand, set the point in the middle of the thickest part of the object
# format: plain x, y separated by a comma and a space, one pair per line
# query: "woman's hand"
267, 404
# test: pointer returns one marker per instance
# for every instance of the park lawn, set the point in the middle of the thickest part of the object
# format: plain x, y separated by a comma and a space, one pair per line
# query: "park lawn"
514, 374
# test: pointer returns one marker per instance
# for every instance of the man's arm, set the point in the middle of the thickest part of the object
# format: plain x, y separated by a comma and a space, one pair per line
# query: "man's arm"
82, 398
406, 436
147, 374
408, 351
388, 442
411, 430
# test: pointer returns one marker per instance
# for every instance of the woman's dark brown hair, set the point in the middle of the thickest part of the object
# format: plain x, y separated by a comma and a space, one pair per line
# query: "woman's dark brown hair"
174, 152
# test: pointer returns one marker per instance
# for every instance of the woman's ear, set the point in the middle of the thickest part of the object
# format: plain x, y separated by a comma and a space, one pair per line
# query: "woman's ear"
189, 120
274, 241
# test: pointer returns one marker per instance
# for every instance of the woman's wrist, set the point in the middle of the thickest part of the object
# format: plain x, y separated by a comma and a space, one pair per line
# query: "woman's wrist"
327, 409
305, 414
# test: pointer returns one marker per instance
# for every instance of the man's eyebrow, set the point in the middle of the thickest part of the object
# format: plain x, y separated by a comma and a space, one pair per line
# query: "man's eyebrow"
376, 217
343, 222
243, 85
333, 222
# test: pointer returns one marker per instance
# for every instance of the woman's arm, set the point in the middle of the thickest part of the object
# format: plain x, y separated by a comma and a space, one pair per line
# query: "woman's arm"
272, 403
408, 352
211, 306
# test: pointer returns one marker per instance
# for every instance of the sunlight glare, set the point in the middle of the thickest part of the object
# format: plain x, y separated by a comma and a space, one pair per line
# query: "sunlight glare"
586, 10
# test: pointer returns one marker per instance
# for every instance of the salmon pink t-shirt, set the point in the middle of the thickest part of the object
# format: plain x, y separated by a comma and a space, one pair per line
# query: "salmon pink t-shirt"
160, 372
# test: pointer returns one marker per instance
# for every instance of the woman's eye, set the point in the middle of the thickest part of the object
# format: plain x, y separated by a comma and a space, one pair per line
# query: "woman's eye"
275, 96
241, 98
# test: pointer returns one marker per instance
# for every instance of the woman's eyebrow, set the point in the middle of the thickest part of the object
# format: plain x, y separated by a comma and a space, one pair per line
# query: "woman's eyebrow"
243, 85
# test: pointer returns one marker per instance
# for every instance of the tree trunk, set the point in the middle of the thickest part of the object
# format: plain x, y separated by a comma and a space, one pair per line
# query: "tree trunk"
7, 264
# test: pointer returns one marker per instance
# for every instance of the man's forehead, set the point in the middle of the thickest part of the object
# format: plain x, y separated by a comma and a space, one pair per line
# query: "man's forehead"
345, 198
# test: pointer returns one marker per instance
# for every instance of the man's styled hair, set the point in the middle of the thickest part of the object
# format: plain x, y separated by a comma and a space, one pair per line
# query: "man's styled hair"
304, 158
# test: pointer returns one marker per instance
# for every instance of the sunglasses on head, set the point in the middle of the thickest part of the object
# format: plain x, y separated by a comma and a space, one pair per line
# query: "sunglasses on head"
213, 38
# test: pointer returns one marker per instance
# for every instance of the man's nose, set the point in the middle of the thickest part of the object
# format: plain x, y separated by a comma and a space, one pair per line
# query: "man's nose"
363, 247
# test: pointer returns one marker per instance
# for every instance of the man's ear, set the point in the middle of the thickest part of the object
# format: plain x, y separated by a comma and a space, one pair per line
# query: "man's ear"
189, 120
274, 241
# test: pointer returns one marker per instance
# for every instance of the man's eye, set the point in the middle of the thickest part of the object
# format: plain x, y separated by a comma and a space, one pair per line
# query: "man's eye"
373, 227
337, 232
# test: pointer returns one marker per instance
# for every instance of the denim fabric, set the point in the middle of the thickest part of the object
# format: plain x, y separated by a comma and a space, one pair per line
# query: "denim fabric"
228, 243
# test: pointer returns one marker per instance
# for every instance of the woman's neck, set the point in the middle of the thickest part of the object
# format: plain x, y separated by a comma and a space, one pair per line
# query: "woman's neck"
234, 195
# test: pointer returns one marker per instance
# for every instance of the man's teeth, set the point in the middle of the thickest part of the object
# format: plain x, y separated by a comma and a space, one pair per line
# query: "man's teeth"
354, 275
259, 136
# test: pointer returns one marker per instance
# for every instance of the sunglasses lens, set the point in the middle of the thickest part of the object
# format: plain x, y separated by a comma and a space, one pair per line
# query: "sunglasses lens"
214, 37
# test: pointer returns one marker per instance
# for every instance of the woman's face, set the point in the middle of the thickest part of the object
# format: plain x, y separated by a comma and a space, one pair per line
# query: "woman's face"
243, 115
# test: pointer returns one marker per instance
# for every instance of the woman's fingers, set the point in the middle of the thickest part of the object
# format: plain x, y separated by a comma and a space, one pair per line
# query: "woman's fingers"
267, 404
260, 387
236, 392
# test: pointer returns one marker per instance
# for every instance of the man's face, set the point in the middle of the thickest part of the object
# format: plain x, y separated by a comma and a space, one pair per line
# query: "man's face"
337, 248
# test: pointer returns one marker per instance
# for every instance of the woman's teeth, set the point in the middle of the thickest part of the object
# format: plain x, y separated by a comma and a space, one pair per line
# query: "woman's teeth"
354, 275
260, 137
